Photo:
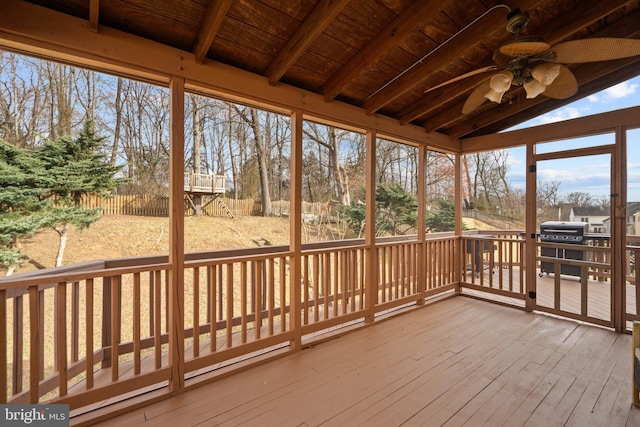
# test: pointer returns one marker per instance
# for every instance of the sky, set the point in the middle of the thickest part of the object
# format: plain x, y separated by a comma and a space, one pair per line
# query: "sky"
586, 174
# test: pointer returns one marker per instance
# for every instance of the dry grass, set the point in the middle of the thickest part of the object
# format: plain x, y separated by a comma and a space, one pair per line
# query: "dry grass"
130, 236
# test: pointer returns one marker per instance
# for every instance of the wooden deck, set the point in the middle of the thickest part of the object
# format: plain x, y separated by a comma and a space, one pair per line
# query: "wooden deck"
458, 361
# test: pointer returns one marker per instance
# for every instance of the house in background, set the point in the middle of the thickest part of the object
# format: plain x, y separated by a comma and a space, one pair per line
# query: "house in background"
594, 215
633, 218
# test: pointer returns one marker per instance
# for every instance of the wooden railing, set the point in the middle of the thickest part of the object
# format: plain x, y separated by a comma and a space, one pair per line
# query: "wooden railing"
99, 331
204, 183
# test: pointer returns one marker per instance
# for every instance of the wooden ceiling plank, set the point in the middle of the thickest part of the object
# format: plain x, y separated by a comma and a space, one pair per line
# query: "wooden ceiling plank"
394, 34
314, 24
594, 10
94, 14
213, 17
490, 24
591, 78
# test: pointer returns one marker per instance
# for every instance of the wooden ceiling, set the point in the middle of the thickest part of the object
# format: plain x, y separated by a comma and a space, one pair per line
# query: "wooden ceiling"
379, 55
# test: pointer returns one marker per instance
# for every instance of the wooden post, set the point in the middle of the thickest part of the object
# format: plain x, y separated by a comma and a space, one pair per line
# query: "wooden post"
175, 298
422, 220
530, 229
635, 344
370, 229
458, 245
619, 229
295, 236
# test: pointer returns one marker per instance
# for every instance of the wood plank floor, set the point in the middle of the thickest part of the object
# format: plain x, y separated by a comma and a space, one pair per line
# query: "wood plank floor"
456, 362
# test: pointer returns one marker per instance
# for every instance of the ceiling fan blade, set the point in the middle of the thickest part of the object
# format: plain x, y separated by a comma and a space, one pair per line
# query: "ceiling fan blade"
477, 97
464, 76
564, 86
596, 49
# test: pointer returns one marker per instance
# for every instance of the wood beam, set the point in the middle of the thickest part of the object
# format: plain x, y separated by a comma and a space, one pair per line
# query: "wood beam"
66, 39
370, 228
94, 15
437, 59
590, 79
394, 34
314, 24
176, 236
295, 234
216, 11
558, 30
574, 128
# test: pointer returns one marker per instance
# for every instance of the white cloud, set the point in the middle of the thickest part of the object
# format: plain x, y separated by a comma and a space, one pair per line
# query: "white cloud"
559, 115
621, 90
593, 98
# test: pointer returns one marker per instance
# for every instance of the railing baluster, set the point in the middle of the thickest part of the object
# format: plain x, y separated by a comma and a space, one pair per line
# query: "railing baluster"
157, 338
258, 301
137, 323
243, 303
88, 321
34, 346
316, 287
196, 311
271, 291
283, 293
115, 323
18, 335
229, 300
61, 338
212, 276
75, 320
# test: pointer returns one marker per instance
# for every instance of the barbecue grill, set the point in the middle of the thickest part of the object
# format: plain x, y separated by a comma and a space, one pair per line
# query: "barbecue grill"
573, 233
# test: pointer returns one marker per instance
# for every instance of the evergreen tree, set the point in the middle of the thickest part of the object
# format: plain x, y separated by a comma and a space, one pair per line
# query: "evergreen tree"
23, 204
442, 218
75, 168
394, 207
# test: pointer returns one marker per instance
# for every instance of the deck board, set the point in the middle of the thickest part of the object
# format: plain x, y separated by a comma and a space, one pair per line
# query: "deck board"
456, 362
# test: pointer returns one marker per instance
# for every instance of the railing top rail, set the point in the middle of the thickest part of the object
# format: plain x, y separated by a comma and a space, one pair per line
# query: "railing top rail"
13, 282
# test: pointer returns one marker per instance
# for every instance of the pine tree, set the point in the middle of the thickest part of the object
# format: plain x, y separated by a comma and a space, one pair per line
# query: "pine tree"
23, 204
75, 168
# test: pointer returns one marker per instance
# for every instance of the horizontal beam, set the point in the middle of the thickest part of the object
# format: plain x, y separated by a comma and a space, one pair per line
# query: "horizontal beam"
574, 128
68, 39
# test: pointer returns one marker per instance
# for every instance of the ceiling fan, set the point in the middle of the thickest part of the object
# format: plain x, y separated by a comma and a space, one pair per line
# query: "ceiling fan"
529, 61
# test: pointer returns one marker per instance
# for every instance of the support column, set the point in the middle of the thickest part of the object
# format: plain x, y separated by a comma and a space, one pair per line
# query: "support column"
619, 229
422, 220
370, 229
530, 248
175, 298
458, 249
295, 233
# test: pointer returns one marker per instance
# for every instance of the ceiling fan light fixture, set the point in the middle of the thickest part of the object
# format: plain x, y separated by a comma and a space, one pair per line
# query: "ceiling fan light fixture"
499, 84
546, 73
534, 88
494, 96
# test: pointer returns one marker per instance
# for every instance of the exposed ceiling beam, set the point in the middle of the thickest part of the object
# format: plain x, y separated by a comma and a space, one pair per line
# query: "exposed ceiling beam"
94, 14
394, 34
590, 78
562, 28
488, 26
454, 50
213, 17
573, 128
314, 24
65, 38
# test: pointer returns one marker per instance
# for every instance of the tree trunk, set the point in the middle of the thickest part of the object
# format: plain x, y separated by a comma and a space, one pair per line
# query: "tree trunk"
262, 164
63, 233
339, 174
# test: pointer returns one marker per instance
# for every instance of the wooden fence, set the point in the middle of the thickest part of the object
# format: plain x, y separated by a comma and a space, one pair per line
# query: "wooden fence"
149, 205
